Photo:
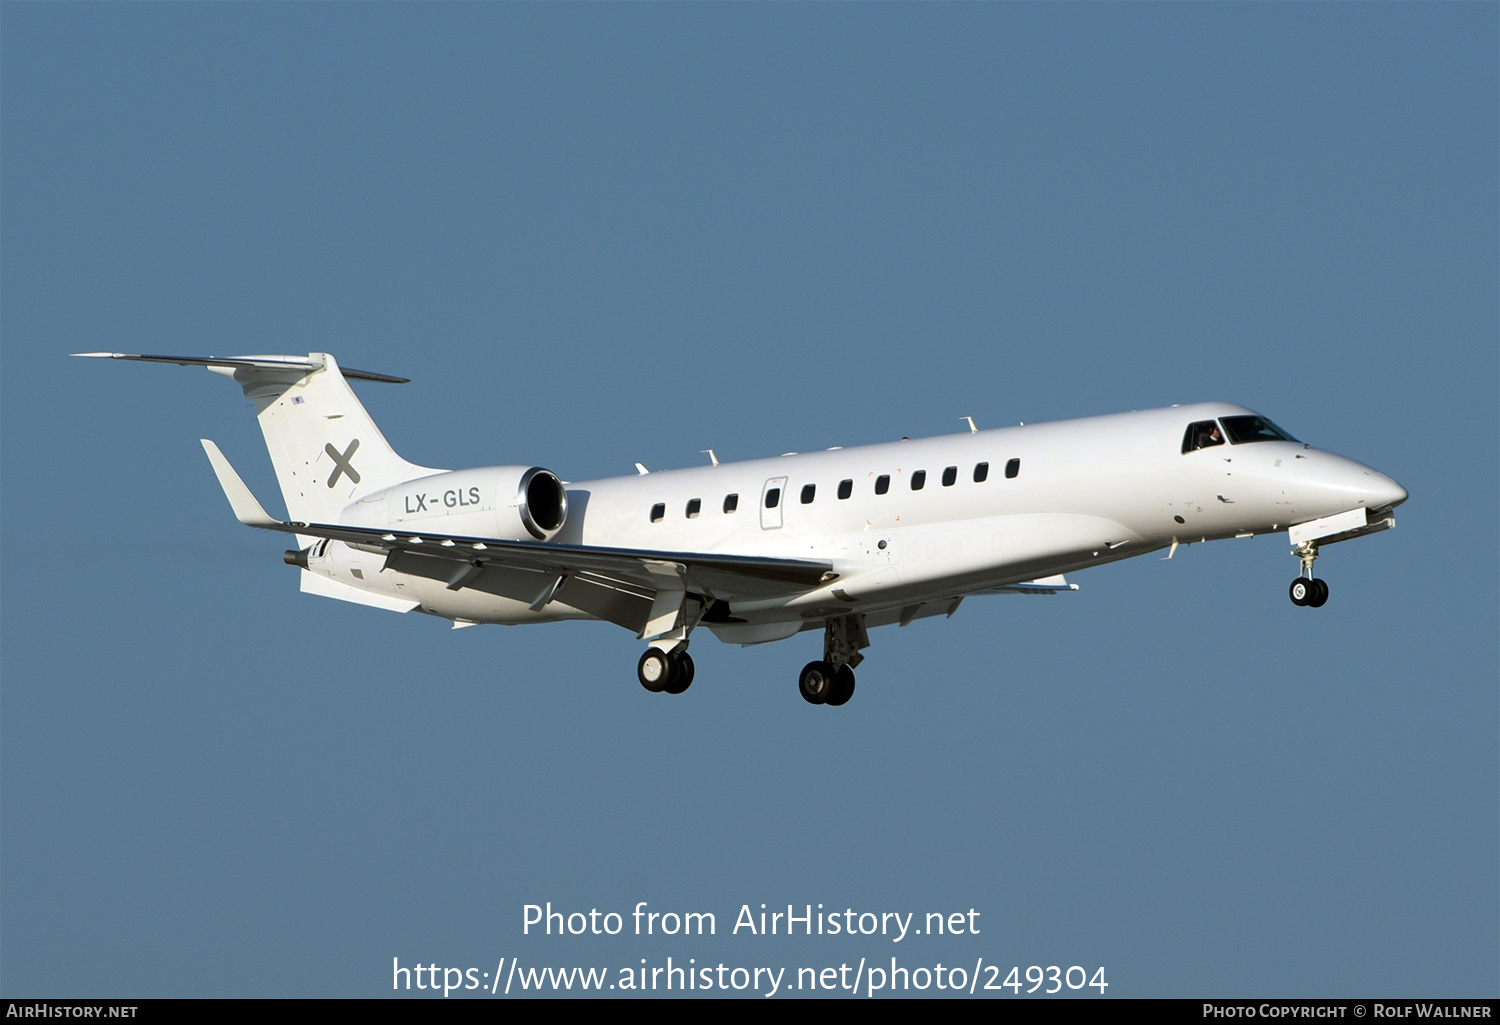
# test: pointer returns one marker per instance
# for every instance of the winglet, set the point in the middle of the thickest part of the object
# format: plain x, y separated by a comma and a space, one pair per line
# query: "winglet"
246, 509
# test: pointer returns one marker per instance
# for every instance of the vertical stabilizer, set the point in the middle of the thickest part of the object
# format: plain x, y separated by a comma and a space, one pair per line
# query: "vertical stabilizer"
326, 450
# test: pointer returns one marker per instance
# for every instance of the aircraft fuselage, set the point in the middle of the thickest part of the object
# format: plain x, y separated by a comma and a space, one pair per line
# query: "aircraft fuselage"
907, 522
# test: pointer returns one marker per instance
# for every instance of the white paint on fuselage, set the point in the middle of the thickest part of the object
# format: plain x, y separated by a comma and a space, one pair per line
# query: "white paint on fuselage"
1088, 491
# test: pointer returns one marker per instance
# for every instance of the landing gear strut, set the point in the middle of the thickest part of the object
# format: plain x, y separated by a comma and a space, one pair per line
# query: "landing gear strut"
1306, 589
831, 681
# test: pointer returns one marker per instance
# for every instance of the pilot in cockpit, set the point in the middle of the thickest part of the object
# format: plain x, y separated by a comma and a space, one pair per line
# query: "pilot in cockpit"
1203, 434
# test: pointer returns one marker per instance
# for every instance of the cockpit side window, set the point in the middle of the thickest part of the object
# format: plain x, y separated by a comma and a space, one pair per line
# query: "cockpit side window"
1253, 428
1203, 434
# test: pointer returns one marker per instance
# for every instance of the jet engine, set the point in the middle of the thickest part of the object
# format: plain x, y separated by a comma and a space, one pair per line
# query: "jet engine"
517, 503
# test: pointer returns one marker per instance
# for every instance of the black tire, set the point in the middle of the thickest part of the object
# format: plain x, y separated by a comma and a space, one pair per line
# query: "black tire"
816, 682
682, 673
843, 686
654, 670
1301, 591
1319, 596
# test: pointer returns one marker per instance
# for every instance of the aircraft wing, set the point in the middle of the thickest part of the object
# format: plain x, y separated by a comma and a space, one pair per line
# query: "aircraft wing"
628, 586
732, 576
1046, 585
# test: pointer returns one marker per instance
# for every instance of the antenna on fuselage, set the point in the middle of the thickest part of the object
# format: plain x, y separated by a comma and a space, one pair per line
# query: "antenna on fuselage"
972, 428
711, 455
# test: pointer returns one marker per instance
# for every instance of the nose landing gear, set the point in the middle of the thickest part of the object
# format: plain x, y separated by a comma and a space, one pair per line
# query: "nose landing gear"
1310, 592
1306, 589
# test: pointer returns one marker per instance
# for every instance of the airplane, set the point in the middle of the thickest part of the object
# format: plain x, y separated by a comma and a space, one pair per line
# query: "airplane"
841, 541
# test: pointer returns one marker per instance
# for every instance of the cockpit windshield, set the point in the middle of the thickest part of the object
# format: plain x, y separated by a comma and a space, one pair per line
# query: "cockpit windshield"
1242, 429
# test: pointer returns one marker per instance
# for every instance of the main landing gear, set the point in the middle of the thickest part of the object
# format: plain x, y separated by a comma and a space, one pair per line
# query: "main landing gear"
823, 683
1306, 589
660, 671
830, 681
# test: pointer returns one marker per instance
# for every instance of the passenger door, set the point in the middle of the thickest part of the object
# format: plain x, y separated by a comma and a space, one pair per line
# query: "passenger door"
772, 498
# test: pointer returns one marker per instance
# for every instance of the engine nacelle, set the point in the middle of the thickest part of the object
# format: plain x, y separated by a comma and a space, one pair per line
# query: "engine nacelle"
517, 503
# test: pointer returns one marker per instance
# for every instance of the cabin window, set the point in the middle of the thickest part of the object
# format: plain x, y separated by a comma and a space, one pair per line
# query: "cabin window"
773, 497
694, 507
950, 476
731, 503
846, 488
658, 512
1203, 434
1012, 468
808, 491
882, 483
919, 480
981, 472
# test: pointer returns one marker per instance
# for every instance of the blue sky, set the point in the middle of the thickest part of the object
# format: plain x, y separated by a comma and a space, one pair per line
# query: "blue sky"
593, 235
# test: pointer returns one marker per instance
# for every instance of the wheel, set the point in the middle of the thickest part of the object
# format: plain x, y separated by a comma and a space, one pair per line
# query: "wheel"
1302, 591
682, 673
654, 670
1320, 594
816, 682
843, 686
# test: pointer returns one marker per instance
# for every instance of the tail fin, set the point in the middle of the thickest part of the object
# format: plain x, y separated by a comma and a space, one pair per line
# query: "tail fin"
326, 450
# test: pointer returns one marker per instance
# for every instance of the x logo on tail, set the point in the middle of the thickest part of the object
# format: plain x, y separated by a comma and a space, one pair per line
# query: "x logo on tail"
341, 463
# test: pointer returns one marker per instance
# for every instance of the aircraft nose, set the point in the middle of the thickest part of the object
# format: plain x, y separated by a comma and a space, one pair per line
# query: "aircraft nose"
1347, 484
1371, 488
1384, 492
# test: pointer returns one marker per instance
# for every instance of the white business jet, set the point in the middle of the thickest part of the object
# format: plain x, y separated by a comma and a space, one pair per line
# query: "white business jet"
838, 541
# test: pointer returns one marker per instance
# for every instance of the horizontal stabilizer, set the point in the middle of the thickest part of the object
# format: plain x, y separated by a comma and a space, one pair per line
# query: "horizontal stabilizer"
246, 509
247, 363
